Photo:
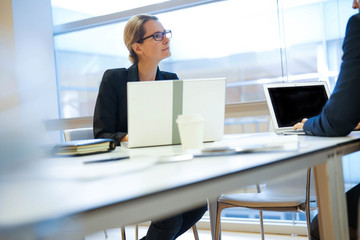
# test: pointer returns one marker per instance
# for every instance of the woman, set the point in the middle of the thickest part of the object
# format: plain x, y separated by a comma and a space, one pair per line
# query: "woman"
148, 43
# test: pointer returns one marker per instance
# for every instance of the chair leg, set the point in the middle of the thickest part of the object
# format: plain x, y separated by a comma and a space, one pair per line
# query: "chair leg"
196, 234
261, 217
220, 207
123, 235
136, 232
307, 206
106, 236
308, 221
261, 225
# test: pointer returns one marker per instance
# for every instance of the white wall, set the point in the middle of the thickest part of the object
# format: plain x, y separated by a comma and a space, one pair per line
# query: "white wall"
35, 58
28, 93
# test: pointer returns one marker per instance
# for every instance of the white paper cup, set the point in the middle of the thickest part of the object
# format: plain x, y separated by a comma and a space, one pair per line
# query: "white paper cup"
191, 128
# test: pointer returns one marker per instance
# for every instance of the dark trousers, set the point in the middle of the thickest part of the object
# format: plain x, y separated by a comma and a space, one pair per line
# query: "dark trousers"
352, 199
172, 227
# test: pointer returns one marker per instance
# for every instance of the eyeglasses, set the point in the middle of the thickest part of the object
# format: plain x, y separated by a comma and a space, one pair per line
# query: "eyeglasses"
158, 36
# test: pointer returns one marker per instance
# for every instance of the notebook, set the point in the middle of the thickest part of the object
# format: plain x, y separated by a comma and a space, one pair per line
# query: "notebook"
84, 147
154, 106
289, 103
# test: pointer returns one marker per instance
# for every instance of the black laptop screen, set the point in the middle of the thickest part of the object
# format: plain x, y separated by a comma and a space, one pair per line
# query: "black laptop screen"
292, 104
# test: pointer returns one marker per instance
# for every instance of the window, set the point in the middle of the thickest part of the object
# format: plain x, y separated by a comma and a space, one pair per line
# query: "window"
81, 58
248, 42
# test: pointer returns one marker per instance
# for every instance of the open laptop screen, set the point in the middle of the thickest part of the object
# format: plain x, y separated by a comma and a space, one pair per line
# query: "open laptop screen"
153, 107
292, 104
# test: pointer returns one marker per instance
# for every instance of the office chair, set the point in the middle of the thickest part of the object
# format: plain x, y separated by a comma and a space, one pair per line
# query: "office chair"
87, 133
78, 134
294, 193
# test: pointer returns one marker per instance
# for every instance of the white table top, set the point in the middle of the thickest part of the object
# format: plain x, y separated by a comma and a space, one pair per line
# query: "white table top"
140, 188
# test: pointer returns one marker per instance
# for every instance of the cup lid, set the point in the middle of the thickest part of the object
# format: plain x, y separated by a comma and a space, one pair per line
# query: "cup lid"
190, 118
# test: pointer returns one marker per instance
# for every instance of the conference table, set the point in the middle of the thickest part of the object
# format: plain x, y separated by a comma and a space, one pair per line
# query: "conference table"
63, 198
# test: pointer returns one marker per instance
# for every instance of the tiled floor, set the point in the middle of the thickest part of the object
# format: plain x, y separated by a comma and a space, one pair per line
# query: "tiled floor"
115, 234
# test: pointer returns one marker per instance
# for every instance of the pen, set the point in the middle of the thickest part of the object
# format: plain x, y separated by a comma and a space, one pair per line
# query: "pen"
107, 160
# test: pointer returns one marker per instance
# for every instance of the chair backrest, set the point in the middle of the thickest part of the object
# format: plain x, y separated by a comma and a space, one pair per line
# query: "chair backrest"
294, 183
78, 134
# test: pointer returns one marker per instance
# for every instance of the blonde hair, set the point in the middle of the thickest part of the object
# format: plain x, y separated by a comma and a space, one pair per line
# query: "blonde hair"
134, 31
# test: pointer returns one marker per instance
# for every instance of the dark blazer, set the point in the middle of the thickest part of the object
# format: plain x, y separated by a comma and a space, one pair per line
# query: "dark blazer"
342, 112
110, 115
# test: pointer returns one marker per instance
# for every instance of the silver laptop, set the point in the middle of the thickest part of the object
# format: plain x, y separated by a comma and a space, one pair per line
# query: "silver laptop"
289, 103
154, 106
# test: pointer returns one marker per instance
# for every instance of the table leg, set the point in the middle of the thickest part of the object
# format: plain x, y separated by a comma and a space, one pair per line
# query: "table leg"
212, 204
333, 222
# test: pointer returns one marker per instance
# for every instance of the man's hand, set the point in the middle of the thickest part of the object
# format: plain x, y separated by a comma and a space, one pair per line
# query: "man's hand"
124, 139
300, 125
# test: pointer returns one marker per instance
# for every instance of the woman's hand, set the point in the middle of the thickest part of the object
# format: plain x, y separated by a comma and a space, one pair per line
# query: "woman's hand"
357, 127
124, 139
300, 125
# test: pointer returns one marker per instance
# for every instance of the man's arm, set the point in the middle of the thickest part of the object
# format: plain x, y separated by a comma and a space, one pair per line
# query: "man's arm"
341, 113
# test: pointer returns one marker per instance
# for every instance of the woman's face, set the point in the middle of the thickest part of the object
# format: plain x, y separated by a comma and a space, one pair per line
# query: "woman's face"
152, 50
356, 4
